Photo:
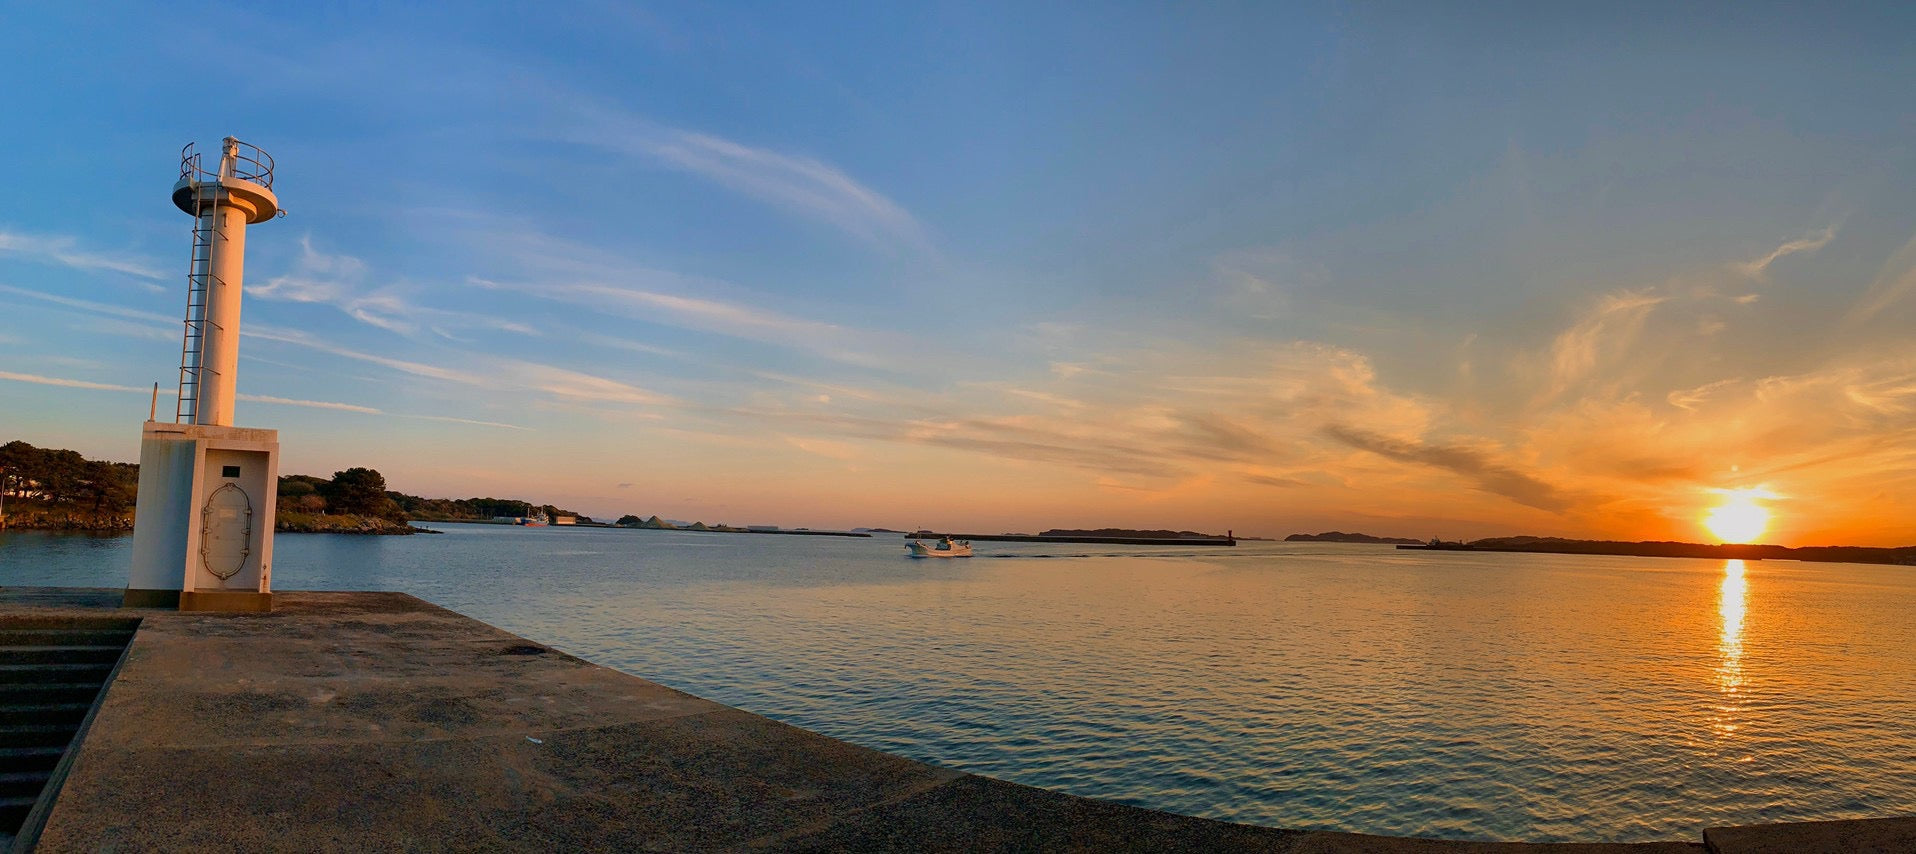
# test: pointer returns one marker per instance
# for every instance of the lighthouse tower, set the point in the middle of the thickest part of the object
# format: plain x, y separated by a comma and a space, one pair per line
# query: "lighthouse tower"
203, 529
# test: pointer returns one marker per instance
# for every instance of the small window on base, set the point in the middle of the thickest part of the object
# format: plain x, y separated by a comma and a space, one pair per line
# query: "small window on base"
229, 471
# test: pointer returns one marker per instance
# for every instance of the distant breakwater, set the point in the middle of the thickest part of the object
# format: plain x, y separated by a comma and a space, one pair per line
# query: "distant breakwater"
1114, 541
689, 530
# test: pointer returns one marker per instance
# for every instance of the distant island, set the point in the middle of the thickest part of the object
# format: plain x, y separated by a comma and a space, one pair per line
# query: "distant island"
1106, 536
1341, 537
1903, 555
1130, 533
657, 524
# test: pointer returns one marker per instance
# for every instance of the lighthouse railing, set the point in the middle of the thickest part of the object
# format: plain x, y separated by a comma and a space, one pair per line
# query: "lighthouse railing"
249, 164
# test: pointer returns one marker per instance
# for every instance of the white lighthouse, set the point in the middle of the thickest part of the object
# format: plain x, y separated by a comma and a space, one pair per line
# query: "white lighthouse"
203, 529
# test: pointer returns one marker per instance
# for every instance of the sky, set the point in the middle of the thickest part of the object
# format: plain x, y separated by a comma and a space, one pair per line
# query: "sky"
1456, 270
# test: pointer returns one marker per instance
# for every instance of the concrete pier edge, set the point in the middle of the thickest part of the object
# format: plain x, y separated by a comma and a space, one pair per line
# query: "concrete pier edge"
376, 720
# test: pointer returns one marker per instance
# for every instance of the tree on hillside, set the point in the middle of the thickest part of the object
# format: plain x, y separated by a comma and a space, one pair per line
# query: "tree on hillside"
46, 475
360, 491
300, 493
15, 457
302, 484
108, 488
61, 474
630, 521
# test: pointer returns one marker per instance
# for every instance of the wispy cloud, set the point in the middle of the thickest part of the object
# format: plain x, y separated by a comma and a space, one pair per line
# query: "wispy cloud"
798, 184
69, 383
1139, 419
558, 382
64, 382
344, 282
1606, 330
823, 447
1273, 480
1692, 398
310, 404
419, 369
472, 421
1260, 282
1756, 267
1046, 397
1896, 280
628, 345
336, 280
90, 307
128, 329
575, 385
711, 315
1473, 463
502, 376
831, 389
65, 251
262, 332
731, 318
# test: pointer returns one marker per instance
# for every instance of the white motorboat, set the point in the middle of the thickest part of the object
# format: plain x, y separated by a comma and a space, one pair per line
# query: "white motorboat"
946, 547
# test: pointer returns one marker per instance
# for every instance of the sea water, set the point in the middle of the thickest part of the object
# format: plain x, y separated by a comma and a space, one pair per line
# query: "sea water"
1450, 694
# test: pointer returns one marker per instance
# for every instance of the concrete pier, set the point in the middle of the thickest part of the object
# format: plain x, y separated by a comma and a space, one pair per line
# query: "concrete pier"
357, 721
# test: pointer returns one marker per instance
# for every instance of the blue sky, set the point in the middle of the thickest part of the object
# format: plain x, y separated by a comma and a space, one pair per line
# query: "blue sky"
1469, 270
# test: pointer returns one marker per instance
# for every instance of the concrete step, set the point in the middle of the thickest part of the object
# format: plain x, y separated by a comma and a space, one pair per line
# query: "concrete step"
16, 674
37, 735
36, 758
13, 812
61, 654
18, 784
12, 636
48, 692
51, 672
68, 713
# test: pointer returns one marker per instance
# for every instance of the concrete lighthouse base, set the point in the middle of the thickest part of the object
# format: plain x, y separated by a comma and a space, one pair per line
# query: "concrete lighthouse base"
203, 527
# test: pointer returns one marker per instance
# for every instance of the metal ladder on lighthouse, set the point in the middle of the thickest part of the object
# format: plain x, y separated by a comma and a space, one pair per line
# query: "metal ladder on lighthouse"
199, 281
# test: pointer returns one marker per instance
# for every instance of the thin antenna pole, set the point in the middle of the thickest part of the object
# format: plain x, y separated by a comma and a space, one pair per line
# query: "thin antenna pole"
153, 411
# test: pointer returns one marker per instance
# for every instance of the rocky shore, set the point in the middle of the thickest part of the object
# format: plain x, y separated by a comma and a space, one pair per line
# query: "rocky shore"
286, 523
36, 520
342, 523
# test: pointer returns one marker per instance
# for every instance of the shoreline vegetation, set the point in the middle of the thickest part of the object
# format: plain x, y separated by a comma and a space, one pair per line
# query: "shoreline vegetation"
51, 489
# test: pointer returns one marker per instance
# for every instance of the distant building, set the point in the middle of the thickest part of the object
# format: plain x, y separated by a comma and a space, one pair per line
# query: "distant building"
565, 520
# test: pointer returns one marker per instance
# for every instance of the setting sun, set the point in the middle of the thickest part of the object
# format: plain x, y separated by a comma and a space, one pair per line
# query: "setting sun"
1739, 519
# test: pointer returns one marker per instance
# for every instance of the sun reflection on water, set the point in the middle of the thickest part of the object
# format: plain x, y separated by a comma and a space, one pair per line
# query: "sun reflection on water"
1731, 605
